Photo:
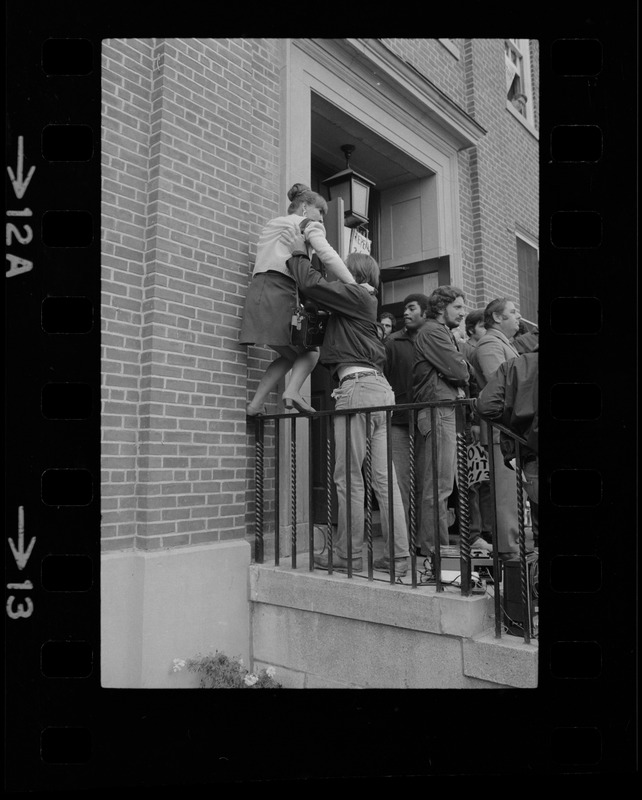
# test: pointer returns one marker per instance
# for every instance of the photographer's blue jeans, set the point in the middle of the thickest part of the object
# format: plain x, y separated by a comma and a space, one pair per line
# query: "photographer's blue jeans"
442, 471
362, 392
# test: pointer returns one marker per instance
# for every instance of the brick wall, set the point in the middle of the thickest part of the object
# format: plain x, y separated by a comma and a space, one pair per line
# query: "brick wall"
504, 175
126, 115
498, 180
431, 58
202, 141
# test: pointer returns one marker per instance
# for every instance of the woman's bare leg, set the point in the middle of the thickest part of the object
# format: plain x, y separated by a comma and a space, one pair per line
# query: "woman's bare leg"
272, 375
306, 361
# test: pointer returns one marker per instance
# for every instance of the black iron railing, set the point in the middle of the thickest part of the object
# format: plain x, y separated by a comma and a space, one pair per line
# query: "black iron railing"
471, 566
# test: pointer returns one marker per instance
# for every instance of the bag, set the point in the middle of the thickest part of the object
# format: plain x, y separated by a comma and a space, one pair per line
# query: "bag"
308, 326
309, 322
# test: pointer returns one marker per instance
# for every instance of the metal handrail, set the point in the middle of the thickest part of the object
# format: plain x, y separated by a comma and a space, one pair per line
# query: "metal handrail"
460, 404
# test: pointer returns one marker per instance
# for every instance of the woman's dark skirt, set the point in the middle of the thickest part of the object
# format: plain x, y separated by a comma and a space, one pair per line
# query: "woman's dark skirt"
267, 317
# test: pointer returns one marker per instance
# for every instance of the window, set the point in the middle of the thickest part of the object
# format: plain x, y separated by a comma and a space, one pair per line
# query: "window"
519, 93
528, 268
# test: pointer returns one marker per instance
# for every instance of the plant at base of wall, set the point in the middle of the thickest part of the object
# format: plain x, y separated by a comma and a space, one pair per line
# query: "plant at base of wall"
218, 671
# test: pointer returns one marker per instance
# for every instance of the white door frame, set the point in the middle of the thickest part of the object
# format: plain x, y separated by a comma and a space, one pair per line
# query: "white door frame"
365, 80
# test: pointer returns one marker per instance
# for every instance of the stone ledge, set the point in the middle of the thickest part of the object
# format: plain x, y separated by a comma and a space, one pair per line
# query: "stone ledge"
508, 660
340, 652
380, 602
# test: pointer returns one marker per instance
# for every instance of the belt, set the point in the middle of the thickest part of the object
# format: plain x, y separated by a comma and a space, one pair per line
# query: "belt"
354, 375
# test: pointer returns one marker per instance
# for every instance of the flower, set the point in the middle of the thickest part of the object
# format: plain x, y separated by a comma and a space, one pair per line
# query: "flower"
219, 671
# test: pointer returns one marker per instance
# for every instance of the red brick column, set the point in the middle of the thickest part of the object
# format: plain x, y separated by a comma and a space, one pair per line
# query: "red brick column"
191, 173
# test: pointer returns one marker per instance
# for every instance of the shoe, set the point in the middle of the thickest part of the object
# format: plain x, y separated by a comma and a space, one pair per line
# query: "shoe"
383, 565
296, 401
338, 564
482, 545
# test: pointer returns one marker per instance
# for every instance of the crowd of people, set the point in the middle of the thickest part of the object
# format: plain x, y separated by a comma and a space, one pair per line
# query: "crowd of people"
429, 359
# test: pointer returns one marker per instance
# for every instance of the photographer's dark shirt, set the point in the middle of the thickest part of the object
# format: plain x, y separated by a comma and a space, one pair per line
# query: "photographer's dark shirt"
352, 336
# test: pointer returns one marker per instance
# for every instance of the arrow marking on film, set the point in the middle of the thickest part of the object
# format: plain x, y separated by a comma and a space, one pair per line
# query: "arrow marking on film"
21, 556
20, 186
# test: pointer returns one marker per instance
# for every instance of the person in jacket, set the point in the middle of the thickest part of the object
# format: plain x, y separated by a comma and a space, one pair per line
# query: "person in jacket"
272, 297
354, 353
511, 398
501, 320
440, 372
400, 356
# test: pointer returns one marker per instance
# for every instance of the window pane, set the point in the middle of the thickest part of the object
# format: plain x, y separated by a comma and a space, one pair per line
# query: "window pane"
528, 267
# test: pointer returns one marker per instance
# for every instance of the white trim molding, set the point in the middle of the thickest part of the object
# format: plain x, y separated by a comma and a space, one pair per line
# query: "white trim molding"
452, 48
379, 73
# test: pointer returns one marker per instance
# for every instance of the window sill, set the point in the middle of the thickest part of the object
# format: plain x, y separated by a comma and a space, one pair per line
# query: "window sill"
529, 127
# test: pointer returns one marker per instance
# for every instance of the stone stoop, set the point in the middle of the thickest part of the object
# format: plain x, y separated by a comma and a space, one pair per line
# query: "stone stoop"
329, 631
508, 660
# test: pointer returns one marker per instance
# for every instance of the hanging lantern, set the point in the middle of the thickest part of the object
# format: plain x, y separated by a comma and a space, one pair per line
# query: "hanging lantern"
353, 189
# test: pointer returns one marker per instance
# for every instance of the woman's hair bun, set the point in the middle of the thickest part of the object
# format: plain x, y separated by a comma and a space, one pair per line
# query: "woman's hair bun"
296, 190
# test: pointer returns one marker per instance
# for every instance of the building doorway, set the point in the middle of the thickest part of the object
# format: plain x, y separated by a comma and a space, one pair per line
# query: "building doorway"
403, 229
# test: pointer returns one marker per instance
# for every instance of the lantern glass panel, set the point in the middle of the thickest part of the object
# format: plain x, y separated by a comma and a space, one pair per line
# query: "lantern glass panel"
360, 198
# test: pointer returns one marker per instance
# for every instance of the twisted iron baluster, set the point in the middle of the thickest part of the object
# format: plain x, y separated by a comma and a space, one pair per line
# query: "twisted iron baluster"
496, 563
293, 488
412, 499
310, 496
348, 420
435, 495
368, 470
277, 492
391, 512
258, 496
523, 571
328, 489
464, 511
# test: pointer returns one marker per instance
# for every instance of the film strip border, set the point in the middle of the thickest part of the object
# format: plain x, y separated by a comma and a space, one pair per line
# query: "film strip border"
55, 708
52, 400
585, 240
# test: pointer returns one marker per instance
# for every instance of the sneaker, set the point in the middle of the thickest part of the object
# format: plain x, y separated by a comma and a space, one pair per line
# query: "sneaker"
383, 565
338, 564
481, 544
